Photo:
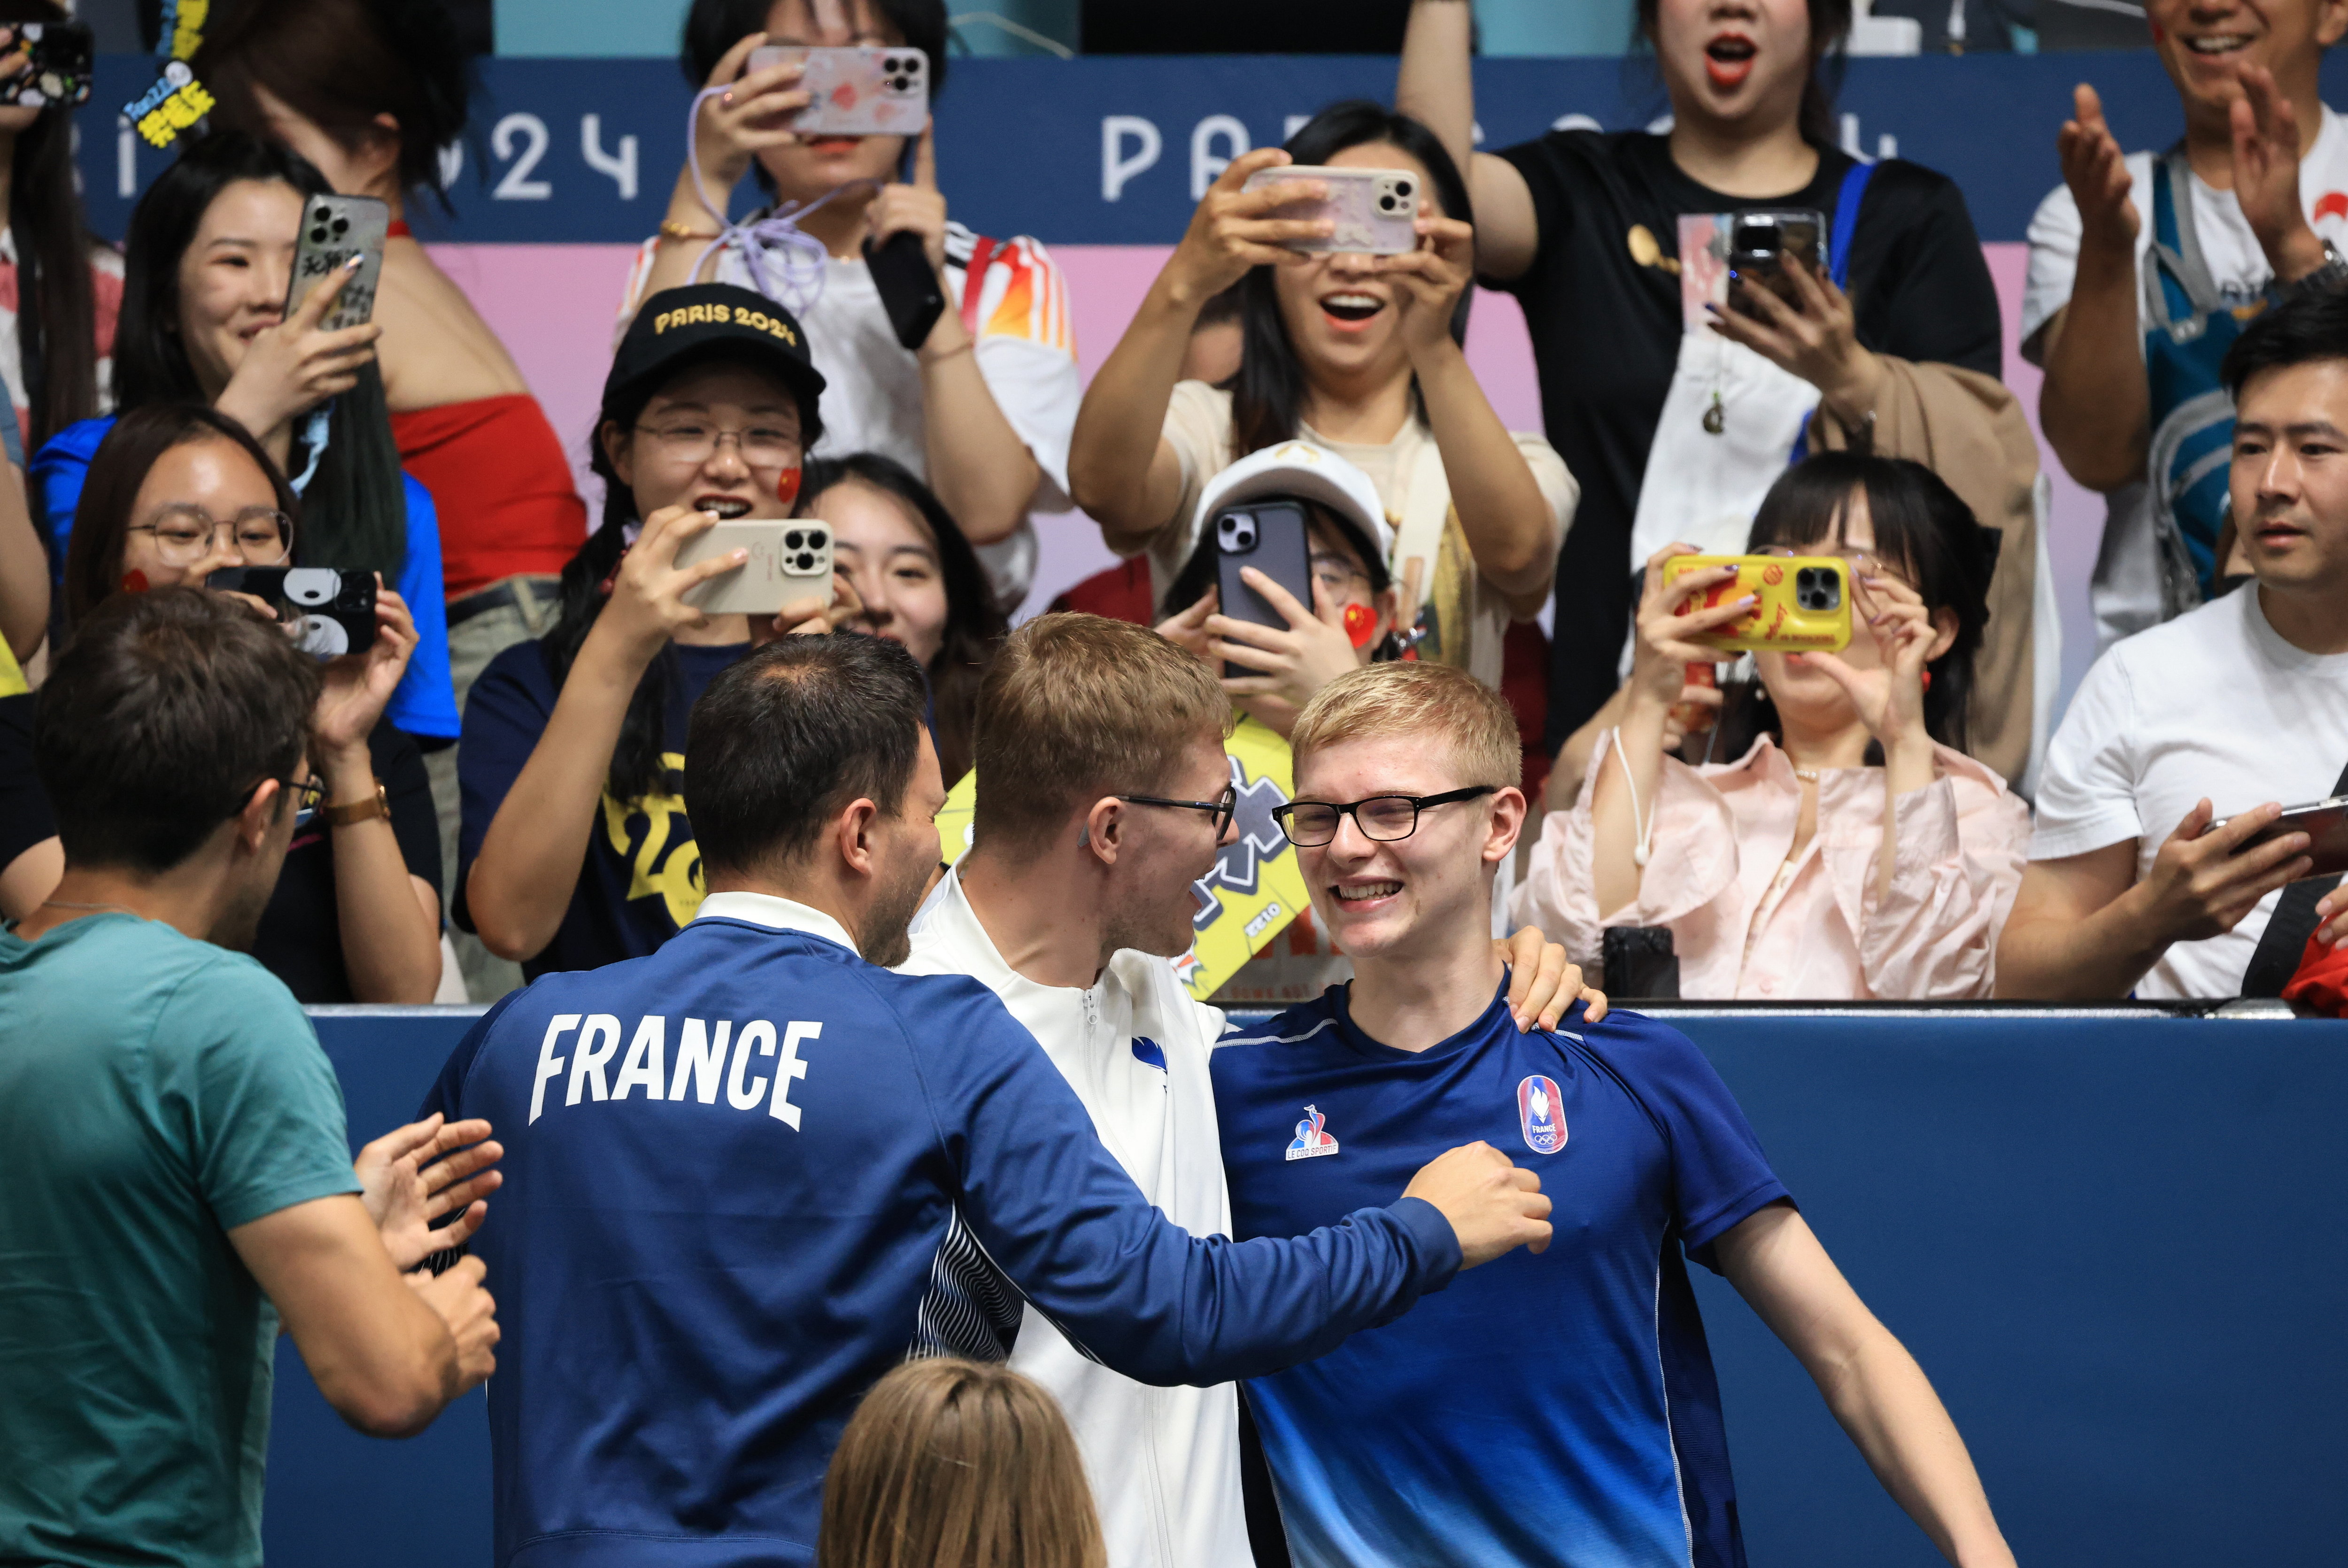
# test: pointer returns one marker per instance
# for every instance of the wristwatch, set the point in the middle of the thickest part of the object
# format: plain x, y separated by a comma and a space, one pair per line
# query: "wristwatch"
378, 805
2329, 278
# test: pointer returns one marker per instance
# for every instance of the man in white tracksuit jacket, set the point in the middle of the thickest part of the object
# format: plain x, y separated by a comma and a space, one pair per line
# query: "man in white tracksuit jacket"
1071, 905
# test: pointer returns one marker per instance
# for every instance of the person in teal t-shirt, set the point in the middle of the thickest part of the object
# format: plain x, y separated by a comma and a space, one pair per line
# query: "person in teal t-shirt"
180, 1176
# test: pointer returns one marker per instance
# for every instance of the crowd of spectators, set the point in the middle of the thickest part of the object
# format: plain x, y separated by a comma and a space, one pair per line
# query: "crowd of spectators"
1785, 826
494, 782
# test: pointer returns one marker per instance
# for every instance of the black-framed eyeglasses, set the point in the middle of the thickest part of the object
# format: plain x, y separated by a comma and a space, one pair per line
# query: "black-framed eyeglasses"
309, 795
1384, 817
1224, 807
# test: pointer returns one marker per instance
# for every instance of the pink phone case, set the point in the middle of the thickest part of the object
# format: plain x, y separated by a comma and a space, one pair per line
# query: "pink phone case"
1376, 209
858, 91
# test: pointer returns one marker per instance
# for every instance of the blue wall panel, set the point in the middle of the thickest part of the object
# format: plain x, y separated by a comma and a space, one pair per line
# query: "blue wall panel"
2113, 1244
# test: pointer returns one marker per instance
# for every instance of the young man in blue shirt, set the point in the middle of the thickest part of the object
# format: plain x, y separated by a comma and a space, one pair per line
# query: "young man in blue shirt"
1554, 1409
722, 1249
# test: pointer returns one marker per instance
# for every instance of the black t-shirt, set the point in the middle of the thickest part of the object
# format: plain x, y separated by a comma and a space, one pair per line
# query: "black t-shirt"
1606, 335
642, 879
25, 819
301, 936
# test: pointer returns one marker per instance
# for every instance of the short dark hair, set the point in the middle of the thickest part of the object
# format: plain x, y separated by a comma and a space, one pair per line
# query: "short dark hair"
783, 739
136, 444
158, 718
2310, 327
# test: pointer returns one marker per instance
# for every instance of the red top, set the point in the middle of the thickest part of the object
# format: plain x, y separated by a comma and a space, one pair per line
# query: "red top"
497, 473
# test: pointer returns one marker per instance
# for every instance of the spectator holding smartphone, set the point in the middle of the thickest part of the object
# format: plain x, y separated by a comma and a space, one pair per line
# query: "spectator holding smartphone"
1853, 851
2143, 265
576, 850
183, 1187
982, 408
177, 492
208, 264
1359, 354
2234, 710
372, 94
1670, 427
950, 1462
913, 579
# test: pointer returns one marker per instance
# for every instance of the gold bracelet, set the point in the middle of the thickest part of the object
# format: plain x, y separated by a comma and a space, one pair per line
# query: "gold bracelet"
672, 230
926, 360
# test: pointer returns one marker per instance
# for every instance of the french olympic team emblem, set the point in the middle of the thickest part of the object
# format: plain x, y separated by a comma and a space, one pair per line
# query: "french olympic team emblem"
1311, 1137
1540, 1112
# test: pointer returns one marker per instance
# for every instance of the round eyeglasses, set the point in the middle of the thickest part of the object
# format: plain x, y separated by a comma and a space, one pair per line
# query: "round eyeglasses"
184, 535
1383, 817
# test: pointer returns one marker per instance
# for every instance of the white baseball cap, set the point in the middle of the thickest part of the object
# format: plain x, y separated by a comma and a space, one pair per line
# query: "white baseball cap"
1300, 469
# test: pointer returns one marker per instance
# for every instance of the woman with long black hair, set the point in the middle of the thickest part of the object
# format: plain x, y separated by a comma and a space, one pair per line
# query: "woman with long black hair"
68, 283
209, 255
1360, 355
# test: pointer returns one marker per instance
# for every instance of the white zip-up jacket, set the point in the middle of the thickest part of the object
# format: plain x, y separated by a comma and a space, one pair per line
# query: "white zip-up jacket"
1164, 1463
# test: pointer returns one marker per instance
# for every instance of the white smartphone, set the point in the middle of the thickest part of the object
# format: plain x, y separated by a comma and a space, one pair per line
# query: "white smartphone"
857, 91
790, 558
1376, 209
334, 229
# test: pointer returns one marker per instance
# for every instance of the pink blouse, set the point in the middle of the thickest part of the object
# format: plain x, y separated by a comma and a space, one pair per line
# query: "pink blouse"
1749, 924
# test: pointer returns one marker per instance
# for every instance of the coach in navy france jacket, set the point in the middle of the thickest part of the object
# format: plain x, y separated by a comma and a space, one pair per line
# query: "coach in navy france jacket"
748, 1173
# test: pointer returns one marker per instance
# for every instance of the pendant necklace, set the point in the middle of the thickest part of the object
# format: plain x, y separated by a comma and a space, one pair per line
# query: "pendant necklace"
1716, 418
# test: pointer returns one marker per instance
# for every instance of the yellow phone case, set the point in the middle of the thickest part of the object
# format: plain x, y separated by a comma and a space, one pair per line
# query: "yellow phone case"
1802, 604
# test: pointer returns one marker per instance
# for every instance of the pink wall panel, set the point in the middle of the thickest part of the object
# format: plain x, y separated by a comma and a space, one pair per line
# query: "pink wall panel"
554, 304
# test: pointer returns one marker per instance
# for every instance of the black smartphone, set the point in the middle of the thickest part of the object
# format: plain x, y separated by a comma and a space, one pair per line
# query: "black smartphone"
908, 286
2325, 823
58, 66
1272, 537
1761, 244
335, 610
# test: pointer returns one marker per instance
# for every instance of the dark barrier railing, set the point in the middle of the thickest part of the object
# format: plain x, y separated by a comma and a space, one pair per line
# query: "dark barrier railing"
2111, 1237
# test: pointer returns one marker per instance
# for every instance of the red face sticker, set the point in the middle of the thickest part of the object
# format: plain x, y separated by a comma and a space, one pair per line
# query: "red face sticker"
134, 582
786, 484
1361, 622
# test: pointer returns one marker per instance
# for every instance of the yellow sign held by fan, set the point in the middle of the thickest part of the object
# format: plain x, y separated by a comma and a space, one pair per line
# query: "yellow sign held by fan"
1255, 888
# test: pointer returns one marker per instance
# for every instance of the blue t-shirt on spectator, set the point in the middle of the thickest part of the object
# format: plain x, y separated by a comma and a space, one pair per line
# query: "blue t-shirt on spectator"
424, 704
642, 879
1544, 1410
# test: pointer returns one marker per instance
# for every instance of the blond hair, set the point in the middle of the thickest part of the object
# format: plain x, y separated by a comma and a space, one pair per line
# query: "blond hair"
1414, 697
956, 1464
1075, 707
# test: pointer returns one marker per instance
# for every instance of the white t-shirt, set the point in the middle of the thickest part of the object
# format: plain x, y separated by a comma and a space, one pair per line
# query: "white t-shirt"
2126, 590
1163, 1462
873, 386
2214, 703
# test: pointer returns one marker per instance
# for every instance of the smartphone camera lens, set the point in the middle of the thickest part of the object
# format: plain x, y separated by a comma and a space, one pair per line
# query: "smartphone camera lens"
1386, 203
804, 560
795, 539
888, 65
317, 236
1402, 187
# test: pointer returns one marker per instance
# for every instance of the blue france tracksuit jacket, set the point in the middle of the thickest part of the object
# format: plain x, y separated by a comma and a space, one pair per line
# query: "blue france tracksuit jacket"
747, 1175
